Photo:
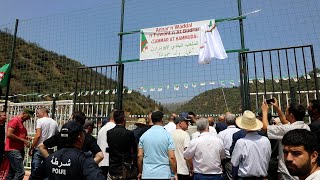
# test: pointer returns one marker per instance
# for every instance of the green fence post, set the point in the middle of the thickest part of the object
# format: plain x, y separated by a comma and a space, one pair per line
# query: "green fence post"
11, 64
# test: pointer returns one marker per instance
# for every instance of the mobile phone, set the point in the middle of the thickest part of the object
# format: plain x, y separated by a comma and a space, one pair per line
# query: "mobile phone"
269, 101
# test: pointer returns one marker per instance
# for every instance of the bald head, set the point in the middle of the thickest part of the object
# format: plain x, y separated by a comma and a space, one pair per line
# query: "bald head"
221, 118
211, 120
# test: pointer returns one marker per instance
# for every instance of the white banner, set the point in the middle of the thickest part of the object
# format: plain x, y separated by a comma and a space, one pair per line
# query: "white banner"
172, 40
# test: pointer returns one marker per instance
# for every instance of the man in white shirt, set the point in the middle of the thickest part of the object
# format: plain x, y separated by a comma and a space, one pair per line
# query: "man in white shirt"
206, 153
181, 140
301, 152
251, 153
226, 137
212, 131
45, 128
171, 124
293, 119
102, 142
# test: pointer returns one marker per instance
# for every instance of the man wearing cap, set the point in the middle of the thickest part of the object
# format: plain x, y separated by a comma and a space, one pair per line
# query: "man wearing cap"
192, 127
156, 151
90, 142
102, 142
122, 146
45, 128
293, 119
206, 153
181, 141
251, 153
226, 137
171, 125
16, 140
70, 162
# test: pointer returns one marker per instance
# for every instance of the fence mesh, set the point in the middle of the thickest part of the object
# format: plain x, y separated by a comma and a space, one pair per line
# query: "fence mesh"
49, 49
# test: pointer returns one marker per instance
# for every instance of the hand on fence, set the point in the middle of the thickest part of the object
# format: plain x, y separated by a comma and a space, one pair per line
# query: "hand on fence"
30, 152
27, 143
29, 138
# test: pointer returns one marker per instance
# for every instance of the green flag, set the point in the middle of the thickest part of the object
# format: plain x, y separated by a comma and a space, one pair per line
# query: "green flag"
143, 41
4, 76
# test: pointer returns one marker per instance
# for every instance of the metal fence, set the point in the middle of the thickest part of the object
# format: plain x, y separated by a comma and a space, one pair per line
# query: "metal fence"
279, 71
49, 49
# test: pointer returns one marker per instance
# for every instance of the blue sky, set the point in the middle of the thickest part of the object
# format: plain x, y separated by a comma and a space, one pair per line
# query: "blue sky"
90, 35
17, 9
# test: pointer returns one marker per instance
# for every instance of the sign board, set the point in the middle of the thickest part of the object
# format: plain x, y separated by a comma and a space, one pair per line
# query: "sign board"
171, 40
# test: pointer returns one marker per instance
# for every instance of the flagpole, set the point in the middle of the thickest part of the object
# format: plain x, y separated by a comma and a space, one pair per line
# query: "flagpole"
225, 101
11, 65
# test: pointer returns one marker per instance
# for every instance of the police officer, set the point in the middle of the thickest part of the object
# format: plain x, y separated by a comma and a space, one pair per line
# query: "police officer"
70, 162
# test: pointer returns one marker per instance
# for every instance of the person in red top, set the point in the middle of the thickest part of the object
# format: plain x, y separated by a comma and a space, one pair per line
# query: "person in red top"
16, 140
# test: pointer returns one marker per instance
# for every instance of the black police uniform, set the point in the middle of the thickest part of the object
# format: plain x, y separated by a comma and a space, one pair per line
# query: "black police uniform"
71, 163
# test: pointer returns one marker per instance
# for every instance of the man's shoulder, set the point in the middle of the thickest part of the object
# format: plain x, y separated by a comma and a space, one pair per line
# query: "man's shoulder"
46, 120
89, 137
15, 119
180, 133
72, 153
315, 126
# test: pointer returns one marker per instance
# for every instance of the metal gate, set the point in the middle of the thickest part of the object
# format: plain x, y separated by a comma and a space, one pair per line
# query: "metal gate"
289, 74
97, 91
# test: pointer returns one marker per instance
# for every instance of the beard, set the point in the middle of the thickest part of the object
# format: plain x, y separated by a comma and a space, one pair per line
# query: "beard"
302, 171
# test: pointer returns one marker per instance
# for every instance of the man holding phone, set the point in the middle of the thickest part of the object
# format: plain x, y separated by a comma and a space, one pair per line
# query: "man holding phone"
292, 119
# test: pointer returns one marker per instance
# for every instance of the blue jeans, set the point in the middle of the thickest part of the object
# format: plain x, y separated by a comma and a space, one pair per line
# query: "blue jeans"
36, 165
16, 171
208, 176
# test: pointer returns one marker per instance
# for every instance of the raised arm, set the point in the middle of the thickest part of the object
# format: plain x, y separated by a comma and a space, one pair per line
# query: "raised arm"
280, 113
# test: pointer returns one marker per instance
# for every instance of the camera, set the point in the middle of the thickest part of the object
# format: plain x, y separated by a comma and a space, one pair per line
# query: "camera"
269, 101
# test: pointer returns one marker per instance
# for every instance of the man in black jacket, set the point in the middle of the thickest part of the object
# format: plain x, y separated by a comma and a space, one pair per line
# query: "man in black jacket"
122, 146
70, 162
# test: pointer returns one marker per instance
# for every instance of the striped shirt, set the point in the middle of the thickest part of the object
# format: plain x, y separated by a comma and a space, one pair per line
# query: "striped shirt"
252, 154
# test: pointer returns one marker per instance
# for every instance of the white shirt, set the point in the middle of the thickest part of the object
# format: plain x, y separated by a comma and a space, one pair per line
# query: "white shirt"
48, 127
191, 130
252, 154
277, 132
181, 140
206, 152
102, 142
314, 176
212, 131
170, 126
226, 137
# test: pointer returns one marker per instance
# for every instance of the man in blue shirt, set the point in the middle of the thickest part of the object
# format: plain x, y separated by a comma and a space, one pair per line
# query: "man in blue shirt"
156, 151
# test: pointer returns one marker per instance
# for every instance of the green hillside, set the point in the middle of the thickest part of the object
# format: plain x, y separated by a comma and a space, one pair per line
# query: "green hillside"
37, 70
212, 101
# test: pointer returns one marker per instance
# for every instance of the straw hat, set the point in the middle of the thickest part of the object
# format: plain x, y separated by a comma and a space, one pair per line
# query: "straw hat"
249, 121
141, 121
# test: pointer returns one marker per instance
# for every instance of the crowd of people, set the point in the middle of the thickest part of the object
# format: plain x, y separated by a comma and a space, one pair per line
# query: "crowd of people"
254, 146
